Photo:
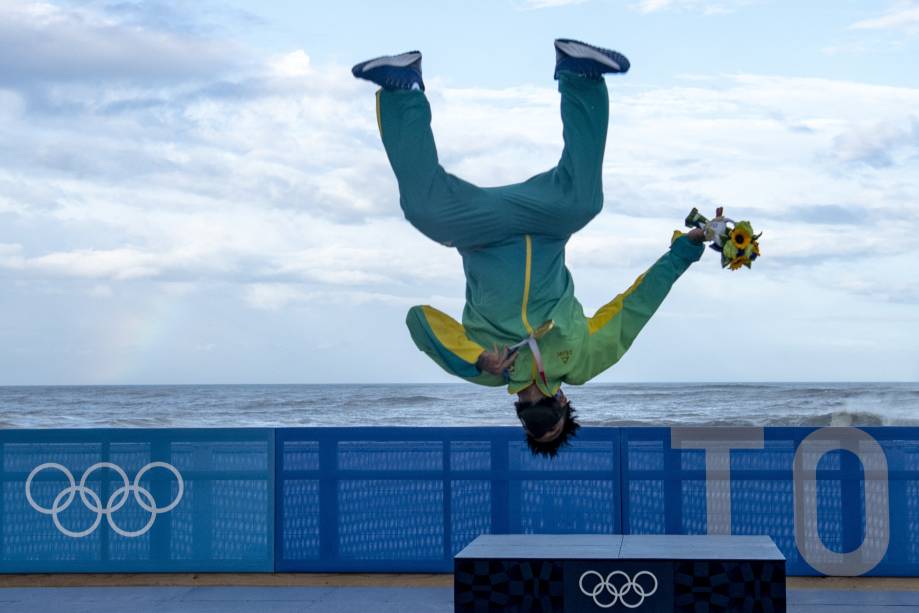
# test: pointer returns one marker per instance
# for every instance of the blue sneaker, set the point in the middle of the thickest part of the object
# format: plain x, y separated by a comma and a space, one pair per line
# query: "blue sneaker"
392, 71
587, 60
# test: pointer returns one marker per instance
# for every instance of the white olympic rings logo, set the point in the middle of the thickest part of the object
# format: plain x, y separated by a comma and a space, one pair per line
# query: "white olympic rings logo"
92, 501
618, 593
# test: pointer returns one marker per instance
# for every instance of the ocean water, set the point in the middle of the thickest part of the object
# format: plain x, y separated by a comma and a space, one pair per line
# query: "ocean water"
659, 404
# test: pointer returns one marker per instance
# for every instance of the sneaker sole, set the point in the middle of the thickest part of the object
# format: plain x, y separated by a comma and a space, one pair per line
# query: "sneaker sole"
584, 51
398, 61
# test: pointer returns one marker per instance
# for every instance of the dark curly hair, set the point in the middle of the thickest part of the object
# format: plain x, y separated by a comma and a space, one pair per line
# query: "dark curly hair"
550, 449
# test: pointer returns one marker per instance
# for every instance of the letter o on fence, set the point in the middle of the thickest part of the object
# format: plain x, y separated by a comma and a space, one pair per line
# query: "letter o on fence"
877, 512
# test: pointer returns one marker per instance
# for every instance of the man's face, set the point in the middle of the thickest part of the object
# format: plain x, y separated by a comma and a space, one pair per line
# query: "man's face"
552, 434
556, 430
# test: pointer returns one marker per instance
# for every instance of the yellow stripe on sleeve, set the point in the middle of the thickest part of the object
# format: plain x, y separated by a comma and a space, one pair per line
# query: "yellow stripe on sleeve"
612, 308
451, 334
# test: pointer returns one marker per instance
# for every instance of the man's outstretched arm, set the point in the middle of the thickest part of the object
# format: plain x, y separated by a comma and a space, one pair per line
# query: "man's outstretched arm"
616, 324
444, 340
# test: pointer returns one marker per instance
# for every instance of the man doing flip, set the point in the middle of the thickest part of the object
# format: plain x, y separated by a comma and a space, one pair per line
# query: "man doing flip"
512, 241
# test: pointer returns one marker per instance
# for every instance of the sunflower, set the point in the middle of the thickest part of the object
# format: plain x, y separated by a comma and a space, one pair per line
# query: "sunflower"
741, 235
740, 260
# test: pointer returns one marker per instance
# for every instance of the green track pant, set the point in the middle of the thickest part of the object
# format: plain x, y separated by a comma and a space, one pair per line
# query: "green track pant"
457, 213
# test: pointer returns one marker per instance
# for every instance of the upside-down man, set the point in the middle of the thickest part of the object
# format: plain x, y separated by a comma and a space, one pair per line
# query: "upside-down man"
512, 240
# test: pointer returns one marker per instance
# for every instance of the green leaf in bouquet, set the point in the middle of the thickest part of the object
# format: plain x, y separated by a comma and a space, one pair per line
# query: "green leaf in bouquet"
729, 250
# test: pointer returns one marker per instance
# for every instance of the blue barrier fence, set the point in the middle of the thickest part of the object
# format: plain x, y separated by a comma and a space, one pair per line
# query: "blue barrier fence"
836, 500
102, 500
407, 499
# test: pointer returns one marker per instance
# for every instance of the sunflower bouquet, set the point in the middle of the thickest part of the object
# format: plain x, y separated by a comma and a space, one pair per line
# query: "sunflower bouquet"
733, 239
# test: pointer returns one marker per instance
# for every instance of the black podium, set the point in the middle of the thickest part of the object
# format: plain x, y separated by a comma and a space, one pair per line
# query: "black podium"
598, 572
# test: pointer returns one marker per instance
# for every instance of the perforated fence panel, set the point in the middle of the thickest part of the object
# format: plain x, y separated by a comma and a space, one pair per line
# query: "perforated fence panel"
137, 500
408, 499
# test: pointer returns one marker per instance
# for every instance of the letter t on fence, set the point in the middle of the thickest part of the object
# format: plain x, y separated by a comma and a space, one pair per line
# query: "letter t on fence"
717, 443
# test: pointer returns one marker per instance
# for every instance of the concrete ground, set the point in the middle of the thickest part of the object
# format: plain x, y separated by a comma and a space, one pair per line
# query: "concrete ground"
359, 593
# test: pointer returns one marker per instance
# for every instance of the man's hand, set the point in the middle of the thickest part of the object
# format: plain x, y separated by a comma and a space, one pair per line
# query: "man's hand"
696, 235
495, 361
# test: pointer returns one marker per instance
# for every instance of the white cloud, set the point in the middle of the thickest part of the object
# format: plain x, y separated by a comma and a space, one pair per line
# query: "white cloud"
114, 264
9, 249
542, 4
903, 15
101, 291
707, 7
273, 296
879, 144
650, 6
276, 296
48, 42
291, 65
289, 182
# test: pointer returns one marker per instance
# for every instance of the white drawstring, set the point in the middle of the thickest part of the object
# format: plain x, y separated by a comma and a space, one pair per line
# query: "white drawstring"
537, 356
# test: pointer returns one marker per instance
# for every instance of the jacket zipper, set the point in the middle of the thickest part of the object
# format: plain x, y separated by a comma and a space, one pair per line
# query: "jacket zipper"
526, 284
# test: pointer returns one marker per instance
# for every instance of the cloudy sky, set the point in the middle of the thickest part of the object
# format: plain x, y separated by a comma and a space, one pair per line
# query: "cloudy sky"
196, 192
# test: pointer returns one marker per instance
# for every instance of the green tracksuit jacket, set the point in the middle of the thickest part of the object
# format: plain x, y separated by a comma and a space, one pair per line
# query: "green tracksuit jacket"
512, 240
